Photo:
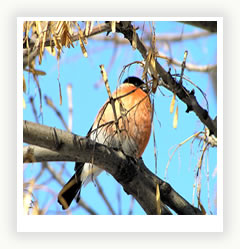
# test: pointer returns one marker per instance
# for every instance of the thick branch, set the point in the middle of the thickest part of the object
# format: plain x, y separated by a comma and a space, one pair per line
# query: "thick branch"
186, 96
35, 153
134, 176
210, 26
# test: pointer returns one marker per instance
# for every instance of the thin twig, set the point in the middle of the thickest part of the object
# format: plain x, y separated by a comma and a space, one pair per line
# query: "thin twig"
188, 97
189, 66
58, 113
101, 192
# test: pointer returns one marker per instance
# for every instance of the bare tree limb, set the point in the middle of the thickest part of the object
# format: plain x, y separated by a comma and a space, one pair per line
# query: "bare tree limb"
189, 67
186, 96
34, 153
31, 53
161, 38
211, 26
133, 175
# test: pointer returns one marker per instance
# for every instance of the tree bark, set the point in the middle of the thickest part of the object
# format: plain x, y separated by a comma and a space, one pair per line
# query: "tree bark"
132, 174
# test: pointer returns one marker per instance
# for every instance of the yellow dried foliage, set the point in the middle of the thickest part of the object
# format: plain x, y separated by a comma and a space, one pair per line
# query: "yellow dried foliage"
202, 208
35, 72
58, 33
134, 39
175, 119
51, 50
84, 51
158, 200
24, 85
88, 28
49, 102
27, 197
113, 26
105, 79
150, 64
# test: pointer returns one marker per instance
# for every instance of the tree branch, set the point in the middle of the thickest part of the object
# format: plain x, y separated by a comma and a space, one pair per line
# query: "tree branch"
211, 26
186, 96
189, 67
133, 175
161, 38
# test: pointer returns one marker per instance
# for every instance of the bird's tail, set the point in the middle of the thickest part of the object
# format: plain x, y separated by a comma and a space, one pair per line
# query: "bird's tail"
69, 192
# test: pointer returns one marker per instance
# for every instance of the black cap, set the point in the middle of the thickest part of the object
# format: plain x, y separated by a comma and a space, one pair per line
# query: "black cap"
134, 80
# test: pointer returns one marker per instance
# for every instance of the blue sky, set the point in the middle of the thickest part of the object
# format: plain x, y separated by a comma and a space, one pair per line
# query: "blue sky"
83, 74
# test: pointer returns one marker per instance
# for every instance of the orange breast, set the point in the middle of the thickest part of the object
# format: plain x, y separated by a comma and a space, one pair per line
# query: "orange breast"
134, 119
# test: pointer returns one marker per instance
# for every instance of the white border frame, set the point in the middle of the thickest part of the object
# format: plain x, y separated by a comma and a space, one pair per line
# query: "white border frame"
108, 223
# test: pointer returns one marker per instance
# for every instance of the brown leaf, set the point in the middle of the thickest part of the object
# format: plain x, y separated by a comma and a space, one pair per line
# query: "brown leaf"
24, 85
35, 71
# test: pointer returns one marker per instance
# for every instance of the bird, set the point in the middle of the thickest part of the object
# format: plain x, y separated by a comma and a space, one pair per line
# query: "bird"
134, 113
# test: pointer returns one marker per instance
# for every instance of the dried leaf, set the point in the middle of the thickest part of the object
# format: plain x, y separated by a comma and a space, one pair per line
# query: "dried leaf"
24, 85
28, 197
175, 119
43, 40
172, 103
51, 51
88, 28
40, 54
35, 208
134, 39
150, 64
57, 43
158, 200
84, 51
24, 103
49, 102
113, 26
154, 73
38, 27
64, 39
147, 62
35, 71
58, 56
58, 29
105, 79
84, 39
